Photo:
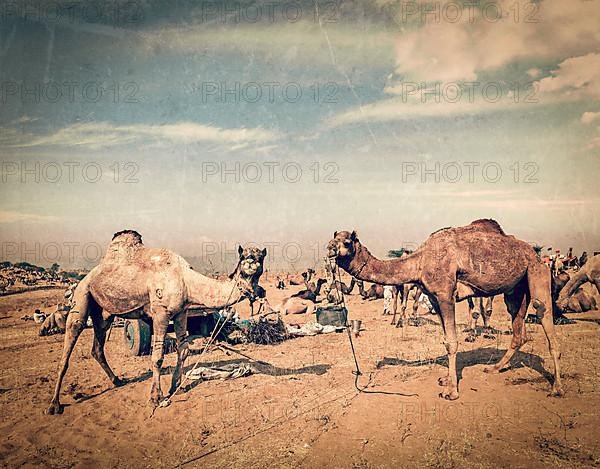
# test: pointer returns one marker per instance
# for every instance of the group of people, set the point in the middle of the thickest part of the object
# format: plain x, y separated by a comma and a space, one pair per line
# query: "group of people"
559, 262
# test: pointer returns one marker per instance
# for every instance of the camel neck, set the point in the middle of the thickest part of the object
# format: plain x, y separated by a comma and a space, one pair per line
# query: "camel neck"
365, 266
209, 292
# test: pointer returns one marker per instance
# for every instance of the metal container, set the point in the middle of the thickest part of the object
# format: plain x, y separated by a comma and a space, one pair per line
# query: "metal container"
356, 323
332, 316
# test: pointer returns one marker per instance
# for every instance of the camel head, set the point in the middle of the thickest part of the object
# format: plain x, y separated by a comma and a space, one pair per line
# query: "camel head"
251, 262
343, 247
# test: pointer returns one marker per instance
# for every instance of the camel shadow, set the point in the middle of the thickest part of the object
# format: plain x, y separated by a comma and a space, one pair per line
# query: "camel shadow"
482, 356
597, 321
259, 367
256, 366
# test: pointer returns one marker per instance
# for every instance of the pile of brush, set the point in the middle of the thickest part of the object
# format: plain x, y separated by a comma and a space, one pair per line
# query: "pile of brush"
264, 331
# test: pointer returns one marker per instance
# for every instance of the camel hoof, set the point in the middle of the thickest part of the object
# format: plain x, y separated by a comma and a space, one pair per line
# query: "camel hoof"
557, 392
444, 381
156, 399
399, 324
55, 409
491, 370
449, 395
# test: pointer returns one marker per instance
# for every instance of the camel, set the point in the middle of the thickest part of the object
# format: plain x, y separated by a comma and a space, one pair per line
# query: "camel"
590, 272
407, 288
301, 279
295, 305
485, 310
132, 277
312, 292
346, 289
455, 263
374, 292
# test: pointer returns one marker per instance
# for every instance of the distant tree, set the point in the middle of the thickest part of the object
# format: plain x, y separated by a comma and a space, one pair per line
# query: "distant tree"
54, 267
30, 267
538, 249
399, 252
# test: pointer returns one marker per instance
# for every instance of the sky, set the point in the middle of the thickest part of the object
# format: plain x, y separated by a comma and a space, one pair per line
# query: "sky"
206, 124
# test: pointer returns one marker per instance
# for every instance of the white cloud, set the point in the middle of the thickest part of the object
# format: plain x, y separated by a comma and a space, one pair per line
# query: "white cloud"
575, 78
397, 108
102, 134
17, 217
448, 51
589, 117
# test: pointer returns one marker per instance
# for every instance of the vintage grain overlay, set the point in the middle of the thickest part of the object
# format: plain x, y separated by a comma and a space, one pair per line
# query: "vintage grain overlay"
272, 233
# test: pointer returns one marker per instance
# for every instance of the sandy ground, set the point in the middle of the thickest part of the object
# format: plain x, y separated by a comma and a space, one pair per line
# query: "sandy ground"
303, 409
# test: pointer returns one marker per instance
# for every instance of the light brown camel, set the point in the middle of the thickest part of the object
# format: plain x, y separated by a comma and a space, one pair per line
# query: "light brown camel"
590, 272
485, 310
301, 279
132, 277
295, 305
454, 263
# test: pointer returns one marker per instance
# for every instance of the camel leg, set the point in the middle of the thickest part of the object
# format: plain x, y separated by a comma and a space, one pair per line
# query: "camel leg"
445, 309
415, 315
539, 286
180, 325
486, 311
160, 321
397, 291
75, 324
474, 316
101, 326
516, 302
405, 293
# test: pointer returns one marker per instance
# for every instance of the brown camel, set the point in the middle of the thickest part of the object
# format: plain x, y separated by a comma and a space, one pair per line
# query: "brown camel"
346, 289
374, 292
132, 277
454, 263
590, 272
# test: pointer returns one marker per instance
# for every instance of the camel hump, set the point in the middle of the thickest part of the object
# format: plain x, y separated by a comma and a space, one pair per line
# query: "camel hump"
489, 224
123, 247
128, 236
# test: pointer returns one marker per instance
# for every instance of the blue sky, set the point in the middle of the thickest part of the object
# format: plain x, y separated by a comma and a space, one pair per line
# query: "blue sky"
372, 65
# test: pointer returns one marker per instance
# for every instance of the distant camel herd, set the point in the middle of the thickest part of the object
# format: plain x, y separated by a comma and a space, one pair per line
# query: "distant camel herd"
454, 264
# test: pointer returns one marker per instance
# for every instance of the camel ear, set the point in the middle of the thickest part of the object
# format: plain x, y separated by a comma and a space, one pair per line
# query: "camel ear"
240, 250
334, 234
264, 252
353, 236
